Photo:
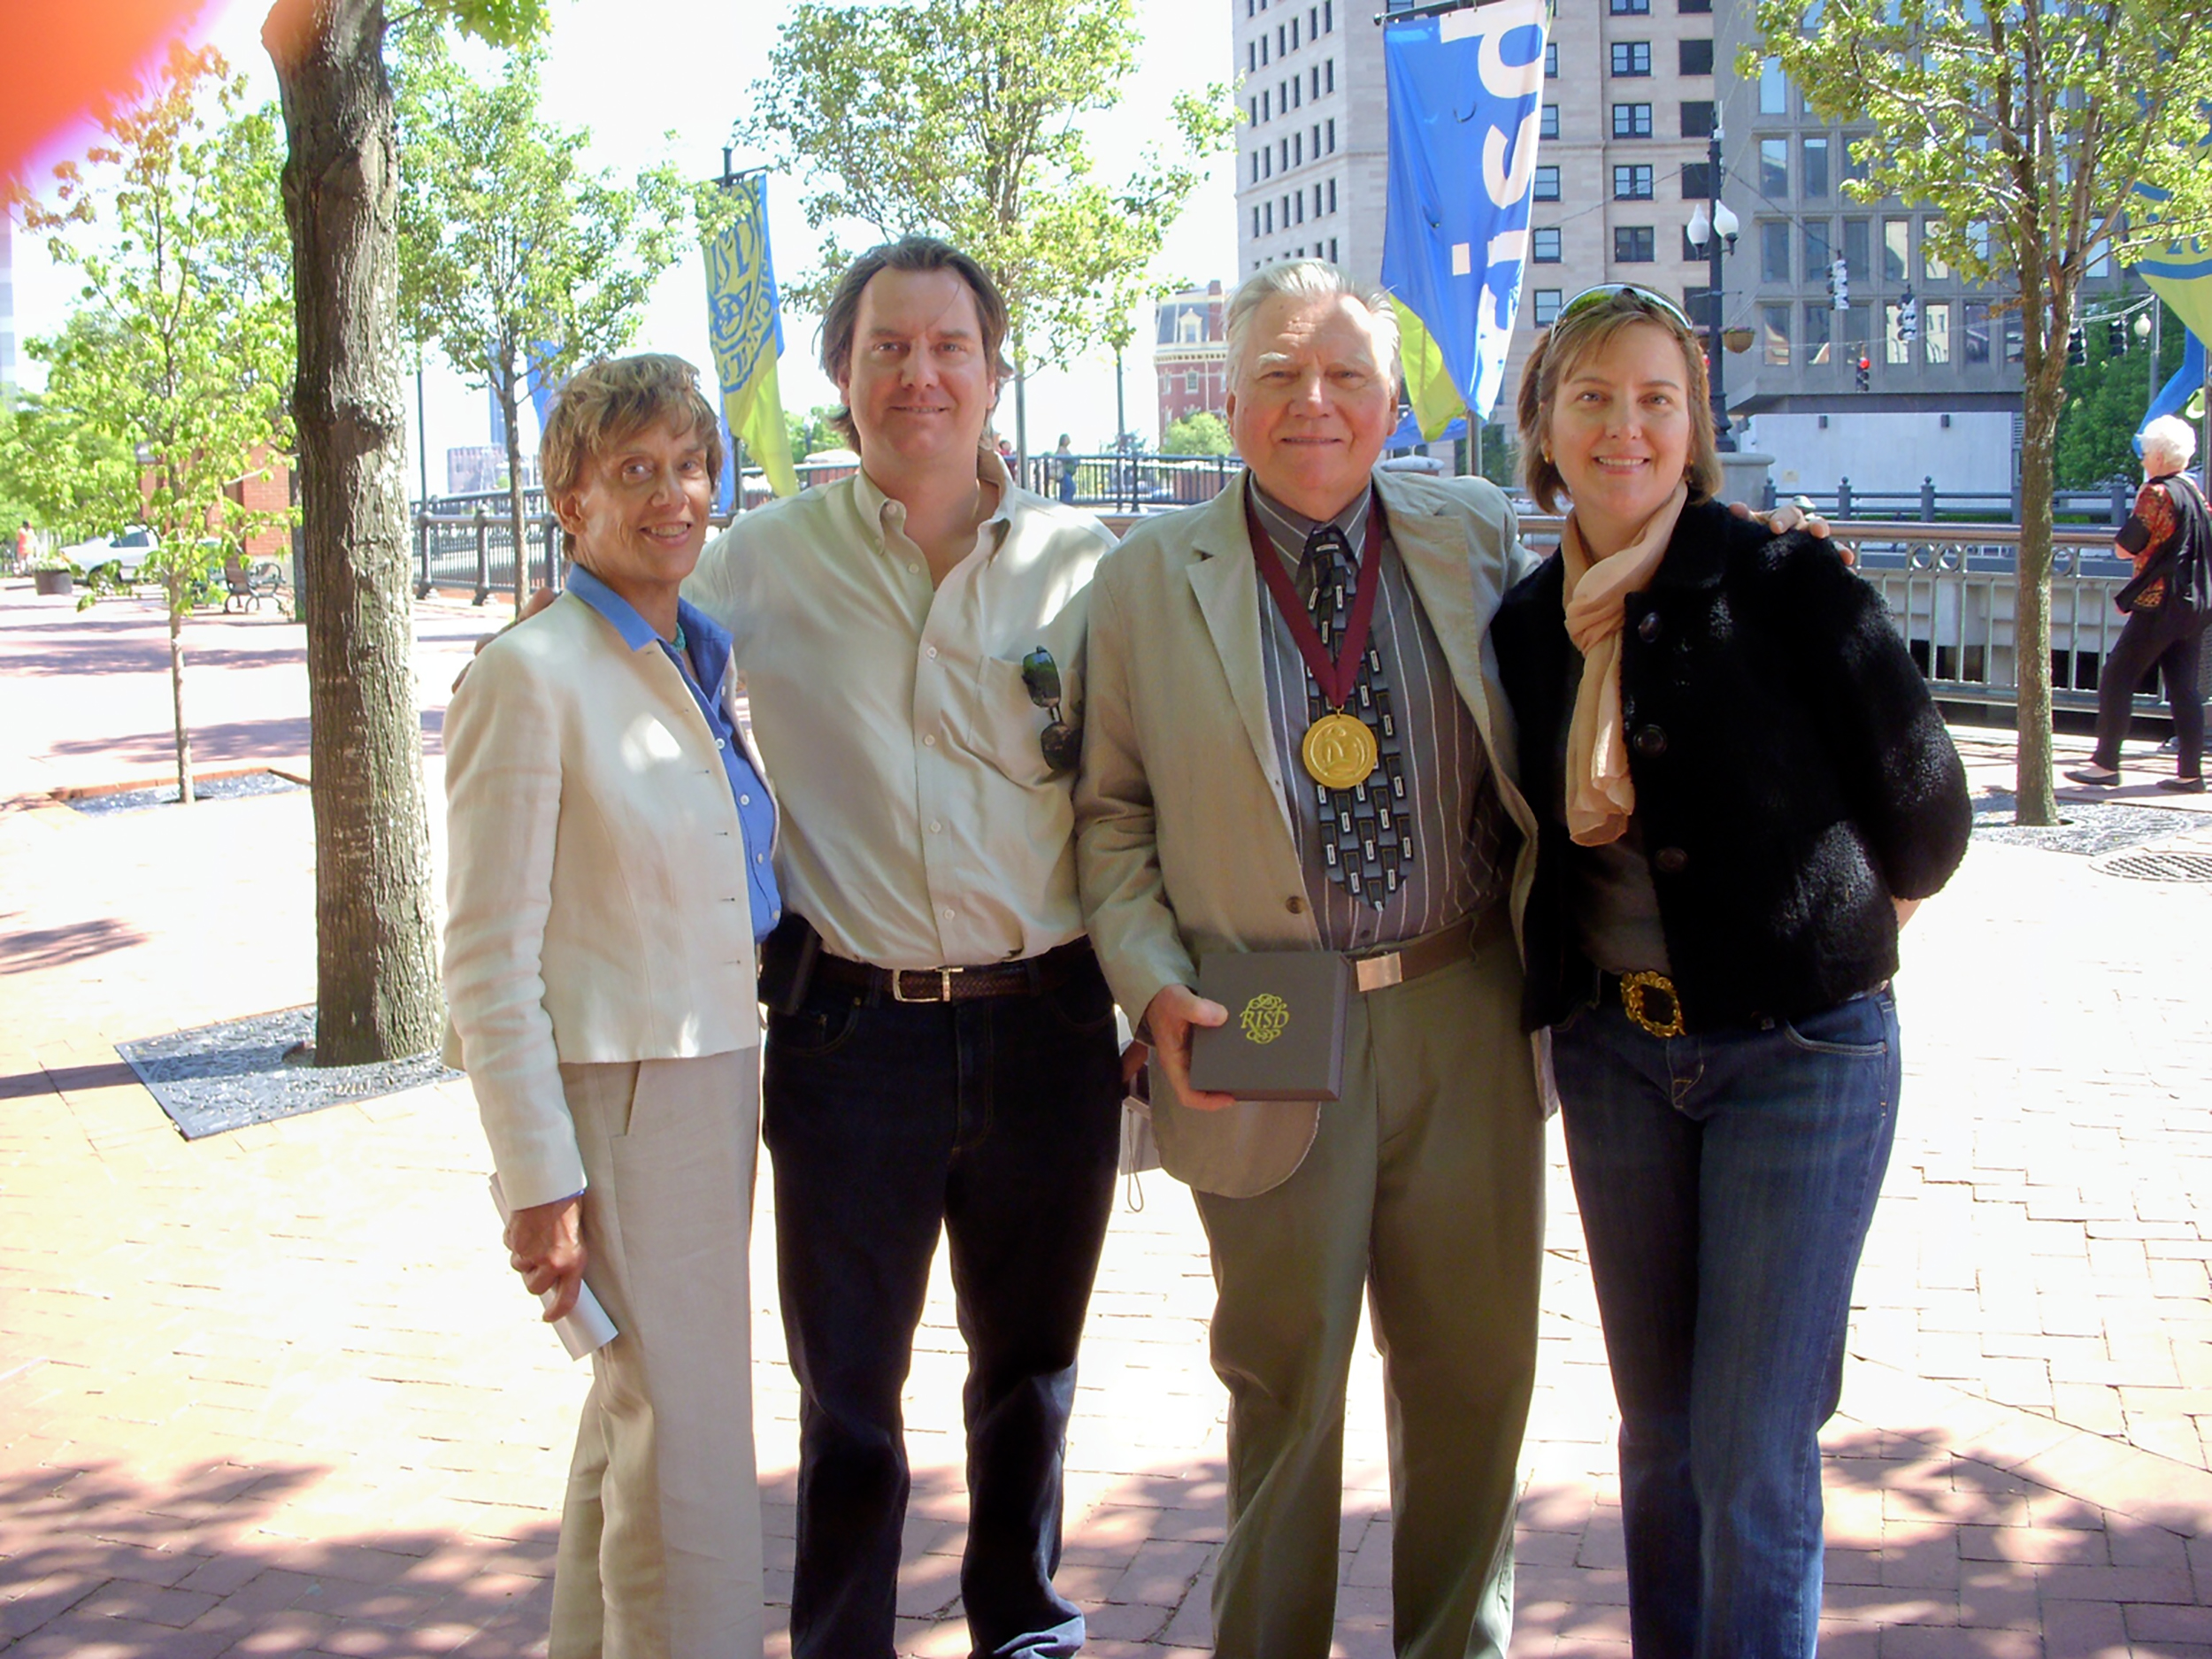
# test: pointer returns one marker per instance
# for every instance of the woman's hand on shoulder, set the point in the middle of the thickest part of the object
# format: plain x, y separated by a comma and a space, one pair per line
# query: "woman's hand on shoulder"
537, 602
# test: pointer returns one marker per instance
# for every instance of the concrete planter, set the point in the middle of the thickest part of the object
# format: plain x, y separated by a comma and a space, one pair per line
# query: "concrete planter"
56, 584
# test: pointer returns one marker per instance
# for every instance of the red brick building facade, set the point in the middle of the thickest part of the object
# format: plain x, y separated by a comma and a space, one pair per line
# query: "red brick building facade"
1190, 354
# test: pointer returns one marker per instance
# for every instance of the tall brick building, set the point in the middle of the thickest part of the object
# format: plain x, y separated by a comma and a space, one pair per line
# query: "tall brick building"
1190, 353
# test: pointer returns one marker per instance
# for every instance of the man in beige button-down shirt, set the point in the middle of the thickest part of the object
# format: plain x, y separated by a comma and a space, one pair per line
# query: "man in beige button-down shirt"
941, 1043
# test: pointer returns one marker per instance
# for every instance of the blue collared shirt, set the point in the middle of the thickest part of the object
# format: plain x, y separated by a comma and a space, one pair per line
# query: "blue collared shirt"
707, 643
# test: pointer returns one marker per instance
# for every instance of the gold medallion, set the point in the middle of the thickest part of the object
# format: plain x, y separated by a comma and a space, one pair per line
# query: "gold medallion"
1338, 750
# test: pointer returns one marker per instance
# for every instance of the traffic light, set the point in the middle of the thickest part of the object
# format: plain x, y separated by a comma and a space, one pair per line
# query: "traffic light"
1840, 284
1908, 318
1865, 363
2077, 347
2115, 338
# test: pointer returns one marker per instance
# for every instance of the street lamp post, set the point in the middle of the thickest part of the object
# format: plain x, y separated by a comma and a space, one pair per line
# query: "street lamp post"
1713, 229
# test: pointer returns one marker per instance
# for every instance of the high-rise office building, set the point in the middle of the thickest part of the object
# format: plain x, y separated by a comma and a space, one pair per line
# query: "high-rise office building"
1632, 90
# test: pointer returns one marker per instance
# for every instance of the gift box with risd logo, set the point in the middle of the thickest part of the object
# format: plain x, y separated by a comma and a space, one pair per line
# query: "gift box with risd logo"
1285, 1038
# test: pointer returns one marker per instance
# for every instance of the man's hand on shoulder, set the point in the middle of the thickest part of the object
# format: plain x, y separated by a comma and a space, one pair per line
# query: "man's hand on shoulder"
531, 606
1174, 1009
1797, 515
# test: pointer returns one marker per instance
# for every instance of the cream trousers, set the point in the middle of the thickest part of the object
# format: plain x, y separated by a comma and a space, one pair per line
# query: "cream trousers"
659, 1555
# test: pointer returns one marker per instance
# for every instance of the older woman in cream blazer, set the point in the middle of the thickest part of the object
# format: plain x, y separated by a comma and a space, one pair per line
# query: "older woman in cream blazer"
610, 880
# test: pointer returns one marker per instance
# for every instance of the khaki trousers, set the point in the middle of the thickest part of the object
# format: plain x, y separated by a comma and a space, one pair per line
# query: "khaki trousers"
659, 1555
1424, 1191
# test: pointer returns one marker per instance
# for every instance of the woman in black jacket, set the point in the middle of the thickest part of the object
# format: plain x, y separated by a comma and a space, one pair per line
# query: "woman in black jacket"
1744, 789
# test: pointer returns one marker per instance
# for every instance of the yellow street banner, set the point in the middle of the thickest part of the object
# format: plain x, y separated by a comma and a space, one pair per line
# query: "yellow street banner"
747, 326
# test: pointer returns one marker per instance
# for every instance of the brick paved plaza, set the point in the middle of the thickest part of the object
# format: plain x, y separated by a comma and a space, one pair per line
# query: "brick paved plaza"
276, 1392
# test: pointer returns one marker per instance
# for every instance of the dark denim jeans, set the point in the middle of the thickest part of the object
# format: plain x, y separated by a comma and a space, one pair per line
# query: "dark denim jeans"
999, 1120
1726, 1182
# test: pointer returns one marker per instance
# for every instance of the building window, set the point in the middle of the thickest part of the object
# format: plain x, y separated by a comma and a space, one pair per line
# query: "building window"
1896, 249
1267, 161
2014, 350
1317, 141
1547, 125
1328, 17
1547, 299
1551, 60
1818, 254
1265, 111
1254, 111
1697, 118
1820, 322
1279, 39
1333, 196
1314, 75
1774, 250
1255, 223
1688, 6
1695, 57
1691, 253
1331, 126
1635, 244
1293, 34
1896, 346
1976, 344
1317, 201
1857, 343
1816, 168
1697, 306
1935, 334
1251, 56
1299, 207
1543, 244
1297, 150
1774, 92
1933, 266
1774, 331
1546, 188
1774, 168
1631, 121
1297, 92
1697, 181
1332, 249
1630, 8
1632, 184
1855, 247
1330, 82
1190, 380
1632, 57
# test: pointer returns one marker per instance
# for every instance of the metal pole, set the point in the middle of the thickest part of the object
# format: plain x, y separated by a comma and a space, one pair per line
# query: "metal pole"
1721, 437
1121, 428
2157, 308
422, 436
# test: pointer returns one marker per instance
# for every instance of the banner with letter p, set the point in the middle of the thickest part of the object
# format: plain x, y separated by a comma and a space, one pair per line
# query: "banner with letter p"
1464, 89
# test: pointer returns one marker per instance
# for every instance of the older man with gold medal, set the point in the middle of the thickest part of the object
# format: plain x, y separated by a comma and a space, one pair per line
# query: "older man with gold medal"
1293, 744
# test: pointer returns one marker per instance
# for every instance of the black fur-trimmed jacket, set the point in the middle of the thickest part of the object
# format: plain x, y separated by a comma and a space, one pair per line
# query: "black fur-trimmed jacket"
1792, 773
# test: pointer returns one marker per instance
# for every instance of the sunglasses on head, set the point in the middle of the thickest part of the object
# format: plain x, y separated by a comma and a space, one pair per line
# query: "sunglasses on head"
1592, 298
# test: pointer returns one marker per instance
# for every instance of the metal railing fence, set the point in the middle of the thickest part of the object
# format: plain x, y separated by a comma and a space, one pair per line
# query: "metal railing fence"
1950, 589
2107, 504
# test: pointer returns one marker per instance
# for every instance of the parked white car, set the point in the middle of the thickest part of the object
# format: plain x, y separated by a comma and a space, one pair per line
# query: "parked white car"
127, 548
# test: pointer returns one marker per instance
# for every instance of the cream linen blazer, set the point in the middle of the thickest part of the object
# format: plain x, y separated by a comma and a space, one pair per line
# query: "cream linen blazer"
596, 908
1185, 840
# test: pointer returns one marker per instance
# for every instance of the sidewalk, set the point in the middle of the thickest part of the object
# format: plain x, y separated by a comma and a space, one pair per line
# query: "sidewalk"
276, 1392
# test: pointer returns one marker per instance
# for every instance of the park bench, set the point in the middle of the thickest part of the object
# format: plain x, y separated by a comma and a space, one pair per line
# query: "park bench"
244, 585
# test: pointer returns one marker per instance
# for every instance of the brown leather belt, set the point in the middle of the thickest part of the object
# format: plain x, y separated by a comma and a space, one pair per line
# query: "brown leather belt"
1374, 971
1029, 977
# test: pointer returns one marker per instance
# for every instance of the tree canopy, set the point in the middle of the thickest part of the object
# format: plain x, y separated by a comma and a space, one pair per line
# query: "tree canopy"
964, 119
1202, 433
2033, 128
2105, 401
516, 260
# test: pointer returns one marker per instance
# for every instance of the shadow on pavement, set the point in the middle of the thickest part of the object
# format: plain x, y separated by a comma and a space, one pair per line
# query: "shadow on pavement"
110, 1564
35, 947
63, 1079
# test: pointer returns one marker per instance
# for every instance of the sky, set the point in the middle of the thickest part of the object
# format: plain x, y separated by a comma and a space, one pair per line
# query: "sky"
666, 79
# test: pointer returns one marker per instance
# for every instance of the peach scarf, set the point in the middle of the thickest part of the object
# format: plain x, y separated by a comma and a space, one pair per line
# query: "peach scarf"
1600, 796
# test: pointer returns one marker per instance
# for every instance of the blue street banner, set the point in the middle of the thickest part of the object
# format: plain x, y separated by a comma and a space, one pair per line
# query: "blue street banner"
2181, 275
1464, 89
747, 327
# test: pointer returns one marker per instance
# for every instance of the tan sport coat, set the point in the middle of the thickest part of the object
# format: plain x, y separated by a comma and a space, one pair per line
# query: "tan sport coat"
1185, 840
596, 892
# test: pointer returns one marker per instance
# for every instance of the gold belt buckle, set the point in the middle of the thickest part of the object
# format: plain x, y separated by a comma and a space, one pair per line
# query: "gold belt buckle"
1633, 985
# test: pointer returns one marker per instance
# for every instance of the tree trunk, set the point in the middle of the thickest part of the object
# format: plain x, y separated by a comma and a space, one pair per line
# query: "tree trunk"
377, 993
2036, 801
185, 796
507, 413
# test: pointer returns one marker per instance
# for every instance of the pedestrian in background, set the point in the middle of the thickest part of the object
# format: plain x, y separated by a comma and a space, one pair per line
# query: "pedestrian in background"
2168, 604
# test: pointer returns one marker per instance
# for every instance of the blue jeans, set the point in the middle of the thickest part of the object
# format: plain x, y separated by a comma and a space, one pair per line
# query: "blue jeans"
999, 1120
1726, 1180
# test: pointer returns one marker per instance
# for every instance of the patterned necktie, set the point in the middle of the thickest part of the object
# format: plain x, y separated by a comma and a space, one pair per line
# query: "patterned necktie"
1366, 831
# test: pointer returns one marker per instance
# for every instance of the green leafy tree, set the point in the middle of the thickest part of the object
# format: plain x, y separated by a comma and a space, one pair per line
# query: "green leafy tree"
813, 431
1203, 433
513, 258
59, 471
2029, 125
179, 345
376, 964
2105, 401
962, 118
